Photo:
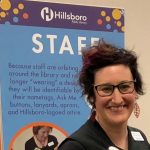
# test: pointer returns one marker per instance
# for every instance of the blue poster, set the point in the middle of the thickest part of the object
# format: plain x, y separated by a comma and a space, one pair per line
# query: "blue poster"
40, 58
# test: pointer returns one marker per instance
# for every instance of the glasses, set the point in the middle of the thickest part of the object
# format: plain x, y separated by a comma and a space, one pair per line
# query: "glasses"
108, 89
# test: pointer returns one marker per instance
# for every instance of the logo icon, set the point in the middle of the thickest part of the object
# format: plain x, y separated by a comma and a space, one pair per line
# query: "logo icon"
47, 14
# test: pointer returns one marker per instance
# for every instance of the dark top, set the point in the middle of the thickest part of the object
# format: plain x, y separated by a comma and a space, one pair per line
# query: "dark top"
91, 136
52, 143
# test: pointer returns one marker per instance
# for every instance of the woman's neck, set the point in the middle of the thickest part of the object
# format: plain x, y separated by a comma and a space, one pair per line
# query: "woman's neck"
39, 143
118, 134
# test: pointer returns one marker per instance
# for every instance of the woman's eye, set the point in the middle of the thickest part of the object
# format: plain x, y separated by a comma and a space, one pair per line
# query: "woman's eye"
106, 89
124, 87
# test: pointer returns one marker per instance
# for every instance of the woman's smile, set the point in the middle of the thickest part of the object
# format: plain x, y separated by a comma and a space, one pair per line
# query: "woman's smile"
117, 108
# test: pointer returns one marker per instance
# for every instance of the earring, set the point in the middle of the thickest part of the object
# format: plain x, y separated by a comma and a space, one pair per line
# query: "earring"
136, 110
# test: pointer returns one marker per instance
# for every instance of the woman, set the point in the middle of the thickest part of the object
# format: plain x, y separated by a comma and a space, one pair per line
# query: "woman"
112, 83
42, 140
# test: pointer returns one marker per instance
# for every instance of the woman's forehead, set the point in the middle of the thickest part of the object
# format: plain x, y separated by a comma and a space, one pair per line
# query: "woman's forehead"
113, 73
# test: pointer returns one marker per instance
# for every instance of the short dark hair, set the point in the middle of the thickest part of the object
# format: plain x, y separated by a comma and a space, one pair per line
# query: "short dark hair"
102, 55
35, 129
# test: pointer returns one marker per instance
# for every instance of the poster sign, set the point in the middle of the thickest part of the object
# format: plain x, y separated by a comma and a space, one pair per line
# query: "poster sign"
40, 58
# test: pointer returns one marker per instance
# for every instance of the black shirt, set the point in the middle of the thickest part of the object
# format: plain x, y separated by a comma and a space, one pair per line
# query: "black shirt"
52, 143
91, 136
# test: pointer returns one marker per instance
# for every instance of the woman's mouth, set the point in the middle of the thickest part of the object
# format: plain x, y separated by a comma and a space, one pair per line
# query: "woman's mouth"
117, 108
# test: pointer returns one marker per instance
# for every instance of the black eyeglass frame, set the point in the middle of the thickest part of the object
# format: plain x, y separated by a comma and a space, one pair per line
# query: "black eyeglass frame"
115, 86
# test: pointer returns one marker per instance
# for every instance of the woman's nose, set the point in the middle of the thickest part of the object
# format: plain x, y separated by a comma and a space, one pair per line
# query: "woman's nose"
117, 96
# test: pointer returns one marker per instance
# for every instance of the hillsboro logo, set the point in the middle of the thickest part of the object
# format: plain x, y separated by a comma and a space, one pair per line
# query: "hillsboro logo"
48, 14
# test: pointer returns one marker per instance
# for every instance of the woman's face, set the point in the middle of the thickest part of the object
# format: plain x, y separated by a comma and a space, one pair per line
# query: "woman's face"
116, 108
43, 133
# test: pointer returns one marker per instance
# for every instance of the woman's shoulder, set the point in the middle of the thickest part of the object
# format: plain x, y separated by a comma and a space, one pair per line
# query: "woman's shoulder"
137, 133
30, 144
69, 143
137, 139
52, 137
31, 140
